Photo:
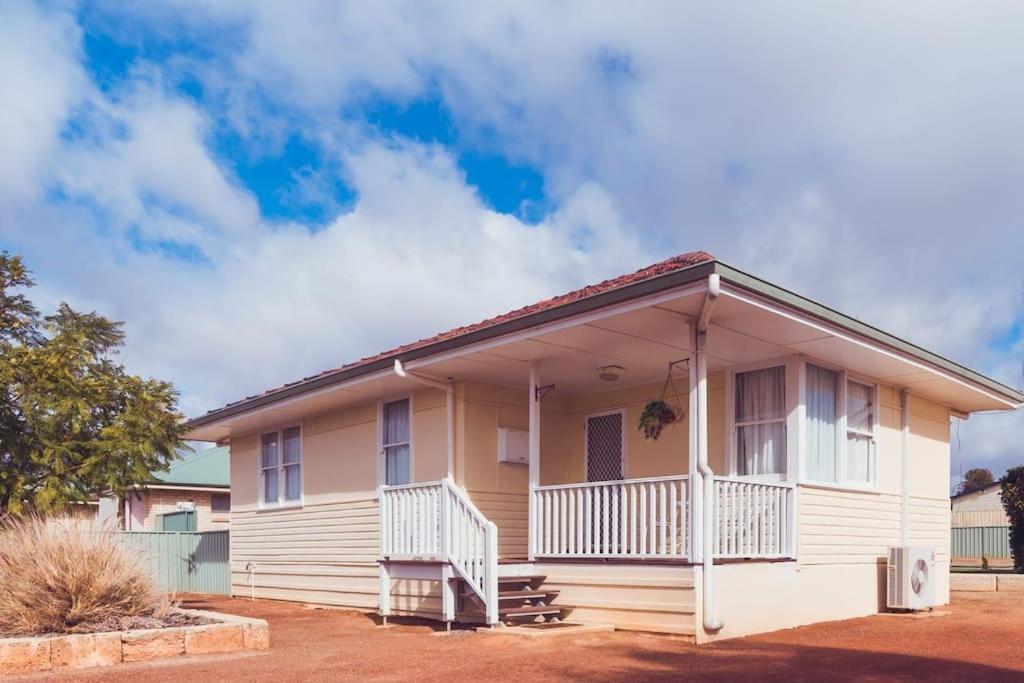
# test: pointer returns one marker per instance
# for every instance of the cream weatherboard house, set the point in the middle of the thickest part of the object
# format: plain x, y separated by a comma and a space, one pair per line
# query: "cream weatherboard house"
496, 473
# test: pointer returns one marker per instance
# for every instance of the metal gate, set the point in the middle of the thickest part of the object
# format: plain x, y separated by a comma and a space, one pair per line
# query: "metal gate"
183, 561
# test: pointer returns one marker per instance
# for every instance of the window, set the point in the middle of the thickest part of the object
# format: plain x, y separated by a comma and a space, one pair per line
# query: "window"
860, 432
395, 442
220, 502
822, 392
832, 402
759, 424
281, 467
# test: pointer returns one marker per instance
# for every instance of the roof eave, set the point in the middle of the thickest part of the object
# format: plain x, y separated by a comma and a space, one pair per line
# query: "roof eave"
654, 285
830, 315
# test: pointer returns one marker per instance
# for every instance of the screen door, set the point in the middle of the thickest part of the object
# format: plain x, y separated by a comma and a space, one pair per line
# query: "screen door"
604, 446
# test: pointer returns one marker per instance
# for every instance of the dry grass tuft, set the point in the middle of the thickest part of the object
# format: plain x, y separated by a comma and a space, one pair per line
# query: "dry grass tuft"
62, 578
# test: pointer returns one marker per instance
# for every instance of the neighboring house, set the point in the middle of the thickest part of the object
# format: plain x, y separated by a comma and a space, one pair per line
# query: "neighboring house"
473, 474
199, 483
982, 508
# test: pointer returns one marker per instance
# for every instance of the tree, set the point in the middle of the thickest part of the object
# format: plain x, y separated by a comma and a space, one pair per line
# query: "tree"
1012, 494
73, 423
975, 479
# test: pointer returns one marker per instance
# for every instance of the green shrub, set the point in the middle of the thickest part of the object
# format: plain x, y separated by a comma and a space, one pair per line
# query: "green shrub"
1012, 495
57, 576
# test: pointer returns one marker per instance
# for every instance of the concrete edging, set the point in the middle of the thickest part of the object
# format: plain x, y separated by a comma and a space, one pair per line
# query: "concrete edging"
981, 583
230, 633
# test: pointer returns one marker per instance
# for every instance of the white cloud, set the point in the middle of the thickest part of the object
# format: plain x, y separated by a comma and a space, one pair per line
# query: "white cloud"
867, 155
40, 79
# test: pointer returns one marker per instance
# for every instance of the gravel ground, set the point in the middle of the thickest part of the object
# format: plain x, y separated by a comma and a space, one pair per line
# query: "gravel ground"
982, 639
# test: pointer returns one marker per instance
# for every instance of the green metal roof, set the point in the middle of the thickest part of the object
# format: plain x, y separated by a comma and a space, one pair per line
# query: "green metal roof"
211, 467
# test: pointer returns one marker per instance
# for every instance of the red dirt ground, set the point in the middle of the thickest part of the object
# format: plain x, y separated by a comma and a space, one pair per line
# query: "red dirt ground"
983, 639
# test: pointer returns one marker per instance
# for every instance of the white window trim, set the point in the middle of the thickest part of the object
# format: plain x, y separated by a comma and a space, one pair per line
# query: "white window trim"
281, 503
845, 376
586, 447
381, 460
792, 418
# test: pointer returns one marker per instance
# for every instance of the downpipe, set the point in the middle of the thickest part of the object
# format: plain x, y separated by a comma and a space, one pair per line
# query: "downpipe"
711, 622
449, 394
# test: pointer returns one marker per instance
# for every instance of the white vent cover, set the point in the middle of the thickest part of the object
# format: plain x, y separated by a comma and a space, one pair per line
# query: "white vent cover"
911, 578
513, 446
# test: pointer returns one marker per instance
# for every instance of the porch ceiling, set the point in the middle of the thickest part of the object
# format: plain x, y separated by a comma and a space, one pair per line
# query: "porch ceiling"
642, 337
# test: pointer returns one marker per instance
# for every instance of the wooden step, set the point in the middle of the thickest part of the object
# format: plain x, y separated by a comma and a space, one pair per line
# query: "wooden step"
528, 595
525, 579
531, 611
517, 595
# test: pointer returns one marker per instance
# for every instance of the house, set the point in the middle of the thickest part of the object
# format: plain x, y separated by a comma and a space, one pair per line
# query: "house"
981, 508
195, 491
496, 472
980, 527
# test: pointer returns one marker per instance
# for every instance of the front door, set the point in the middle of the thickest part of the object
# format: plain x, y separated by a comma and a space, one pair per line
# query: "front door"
605, 445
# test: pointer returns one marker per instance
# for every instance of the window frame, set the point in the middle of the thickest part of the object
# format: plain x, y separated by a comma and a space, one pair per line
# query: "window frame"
382, 471
281, 503
586, 444
842, 429
793, 378
221, 511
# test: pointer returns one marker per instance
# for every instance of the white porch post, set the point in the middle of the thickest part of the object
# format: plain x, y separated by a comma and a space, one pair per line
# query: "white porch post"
534, 464
696, 482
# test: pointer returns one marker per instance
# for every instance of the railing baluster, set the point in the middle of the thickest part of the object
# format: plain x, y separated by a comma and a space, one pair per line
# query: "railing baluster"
663, 519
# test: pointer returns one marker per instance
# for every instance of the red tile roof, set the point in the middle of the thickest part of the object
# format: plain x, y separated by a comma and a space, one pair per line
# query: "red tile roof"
675, 263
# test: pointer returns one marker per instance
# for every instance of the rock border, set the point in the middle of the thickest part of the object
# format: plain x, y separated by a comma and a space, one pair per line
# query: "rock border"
230, 633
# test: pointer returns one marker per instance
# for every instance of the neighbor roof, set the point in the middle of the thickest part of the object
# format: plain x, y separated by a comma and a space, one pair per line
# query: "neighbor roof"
665, 275
983, 489
209, 468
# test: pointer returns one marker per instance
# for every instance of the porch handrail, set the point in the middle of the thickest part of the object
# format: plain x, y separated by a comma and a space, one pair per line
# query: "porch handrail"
753, 519
628, 518
471, 546
437, 520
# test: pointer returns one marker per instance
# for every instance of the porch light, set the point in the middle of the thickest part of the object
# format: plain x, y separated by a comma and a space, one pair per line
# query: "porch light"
610, 373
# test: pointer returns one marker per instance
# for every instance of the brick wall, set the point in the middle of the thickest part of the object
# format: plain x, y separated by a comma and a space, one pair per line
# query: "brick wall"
158, 502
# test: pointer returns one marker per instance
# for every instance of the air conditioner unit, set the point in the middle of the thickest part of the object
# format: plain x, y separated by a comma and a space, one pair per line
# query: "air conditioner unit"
911, 578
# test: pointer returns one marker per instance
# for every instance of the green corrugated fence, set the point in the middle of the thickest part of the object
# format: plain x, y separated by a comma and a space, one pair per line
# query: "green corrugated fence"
185, 561
981, 541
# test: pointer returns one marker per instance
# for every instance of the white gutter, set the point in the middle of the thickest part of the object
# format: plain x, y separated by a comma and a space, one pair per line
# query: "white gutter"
449, 391
711, 623
904, 465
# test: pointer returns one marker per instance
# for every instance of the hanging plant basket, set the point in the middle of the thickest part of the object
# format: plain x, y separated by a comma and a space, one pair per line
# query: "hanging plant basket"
656, 415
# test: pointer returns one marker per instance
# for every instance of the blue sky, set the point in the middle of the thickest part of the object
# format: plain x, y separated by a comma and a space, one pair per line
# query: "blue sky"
227, 176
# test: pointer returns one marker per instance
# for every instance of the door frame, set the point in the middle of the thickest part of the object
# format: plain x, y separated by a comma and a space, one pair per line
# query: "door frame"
586, 441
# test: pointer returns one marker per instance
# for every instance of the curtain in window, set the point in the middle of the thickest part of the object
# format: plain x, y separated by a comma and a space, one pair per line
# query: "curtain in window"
268, 464
760, 421
822, 423
292, 461
860, 424
396, 442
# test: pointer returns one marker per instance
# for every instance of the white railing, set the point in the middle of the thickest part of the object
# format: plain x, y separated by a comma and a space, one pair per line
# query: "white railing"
411, 520
753, 519
638, 518
436, 521
472, 547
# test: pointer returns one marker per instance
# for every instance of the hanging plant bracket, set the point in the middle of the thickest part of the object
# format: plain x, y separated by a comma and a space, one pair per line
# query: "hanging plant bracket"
658, 413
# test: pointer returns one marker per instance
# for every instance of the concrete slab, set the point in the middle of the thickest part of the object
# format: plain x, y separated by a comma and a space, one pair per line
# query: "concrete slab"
1010, 582
972, 582
927, 614
561, 628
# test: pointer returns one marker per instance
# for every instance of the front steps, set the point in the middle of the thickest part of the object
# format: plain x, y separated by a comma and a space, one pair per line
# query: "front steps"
522, 599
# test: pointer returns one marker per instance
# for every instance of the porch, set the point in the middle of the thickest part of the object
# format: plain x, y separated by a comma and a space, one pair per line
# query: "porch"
593, 512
